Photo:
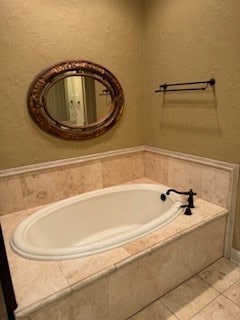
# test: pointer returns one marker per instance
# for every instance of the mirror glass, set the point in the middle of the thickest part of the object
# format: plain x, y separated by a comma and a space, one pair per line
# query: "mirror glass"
75, 100
78, 101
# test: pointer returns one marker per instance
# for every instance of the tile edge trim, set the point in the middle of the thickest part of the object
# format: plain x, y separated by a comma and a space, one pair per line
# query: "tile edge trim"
102, 155
193, 158
65, 162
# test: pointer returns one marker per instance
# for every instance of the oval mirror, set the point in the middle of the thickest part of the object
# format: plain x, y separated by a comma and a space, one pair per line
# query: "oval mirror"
75, 100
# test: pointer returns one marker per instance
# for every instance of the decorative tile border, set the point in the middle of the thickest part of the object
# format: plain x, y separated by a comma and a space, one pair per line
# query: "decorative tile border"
67, 162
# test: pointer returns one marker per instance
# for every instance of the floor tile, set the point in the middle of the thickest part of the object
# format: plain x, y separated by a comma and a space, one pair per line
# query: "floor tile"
219, 309
156, 311
189, 298
233, 293
221, 274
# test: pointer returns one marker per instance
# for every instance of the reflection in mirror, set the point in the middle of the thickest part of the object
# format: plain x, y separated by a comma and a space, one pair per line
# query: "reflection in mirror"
75, 100
78, 101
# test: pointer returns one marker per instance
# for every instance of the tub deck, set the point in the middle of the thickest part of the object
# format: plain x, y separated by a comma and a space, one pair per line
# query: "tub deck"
100, 282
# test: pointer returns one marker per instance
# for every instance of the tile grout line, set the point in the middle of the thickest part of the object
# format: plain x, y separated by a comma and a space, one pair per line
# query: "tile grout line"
219, 295
210, 286
230, 300
139, 311
229, 288
61, 271
173, 290
147, 306
167, 306
221, 292
201, 309
212, 301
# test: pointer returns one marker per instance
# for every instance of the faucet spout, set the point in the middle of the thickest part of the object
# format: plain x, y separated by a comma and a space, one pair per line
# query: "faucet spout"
178, 192
190, 203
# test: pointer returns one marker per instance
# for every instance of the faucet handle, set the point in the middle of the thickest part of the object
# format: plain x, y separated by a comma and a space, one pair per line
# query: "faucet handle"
192, 193
190, 198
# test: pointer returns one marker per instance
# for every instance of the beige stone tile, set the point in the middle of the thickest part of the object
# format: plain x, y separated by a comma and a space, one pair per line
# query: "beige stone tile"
207, 209
53, 185
133, 287
189, 298
184, 175
216, 186
175, 259
32, 280
10, 221
35, 209
149, 240
208, 242
90, 303
119, 169
78, 269
221, 274
56, 184
202, 212
44, 187
172, 260
167, 232
83, 178
142, 180
35, 280
184, 257
219, 309
156, 167
233, 293
11, 199
205, 244
156, 311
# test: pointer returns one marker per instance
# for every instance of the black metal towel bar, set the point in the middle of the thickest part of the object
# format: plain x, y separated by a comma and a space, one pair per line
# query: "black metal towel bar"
163, 87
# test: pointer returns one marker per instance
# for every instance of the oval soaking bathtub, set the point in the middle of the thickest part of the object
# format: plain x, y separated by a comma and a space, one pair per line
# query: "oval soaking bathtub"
94, 222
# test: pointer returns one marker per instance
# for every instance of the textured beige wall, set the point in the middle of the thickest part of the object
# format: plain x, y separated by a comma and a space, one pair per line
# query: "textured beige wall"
37, 34
183, 41
193, 41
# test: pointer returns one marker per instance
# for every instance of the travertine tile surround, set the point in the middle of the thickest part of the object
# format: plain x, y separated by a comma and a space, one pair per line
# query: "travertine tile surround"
31, 186
115, 284
27, 187
40, 184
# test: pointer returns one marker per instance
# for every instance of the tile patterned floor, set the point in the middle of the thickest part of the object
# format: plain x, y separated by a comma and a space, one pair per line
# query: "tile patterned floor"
213, 294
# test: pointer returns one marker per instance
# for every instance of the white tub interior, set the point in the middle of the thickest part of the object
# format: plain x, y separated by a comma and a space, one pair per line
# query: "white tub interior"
94, 222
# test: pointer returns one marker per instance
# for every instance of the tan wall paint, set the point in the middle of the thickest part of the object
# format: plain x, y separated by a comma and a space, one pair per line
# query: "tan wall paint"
193, 41
183, 40
37, 34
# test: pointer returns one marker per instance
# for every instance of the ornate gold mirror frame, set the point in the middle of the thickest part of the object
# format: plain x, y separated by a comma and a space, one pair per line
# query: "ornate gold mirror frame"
45, 80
